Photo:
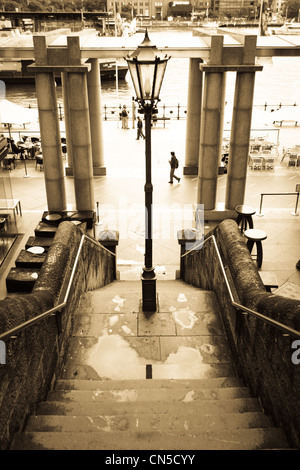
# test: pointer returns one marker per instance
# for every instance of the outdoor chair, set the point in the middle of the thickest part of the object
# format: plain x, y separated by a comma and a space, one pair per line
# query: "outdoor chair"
256, 163
292, 159
39, 162
269, 163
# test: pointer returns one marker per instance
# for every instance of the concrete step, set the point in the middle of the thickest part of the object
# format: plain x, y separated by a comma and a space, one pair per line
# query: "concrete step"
94, 408
78, 384
151, 395
26, 259
21, 279
147, 422
159, 371
45, 242
45, 230
241, 439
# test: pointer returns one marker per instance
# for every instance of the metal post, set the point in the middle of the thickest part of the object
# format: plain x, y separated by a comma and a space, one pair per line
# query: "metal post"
259, 214
148, 276
296, 206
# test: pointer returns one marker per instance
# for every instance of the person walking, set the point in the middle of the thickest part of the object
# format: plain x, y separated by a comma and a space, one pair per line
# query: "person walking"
174, 164
139, 129
124, 117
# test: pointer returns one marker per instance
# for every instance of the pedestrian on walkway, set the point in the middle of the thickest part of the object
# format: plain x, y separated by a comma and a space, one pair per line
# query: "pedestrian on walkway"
174, 164
124, 117
139, 129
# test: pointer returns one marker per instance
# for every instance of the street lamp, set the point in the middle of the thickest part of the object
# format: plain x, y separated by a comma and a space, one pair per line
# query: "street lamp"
147, 69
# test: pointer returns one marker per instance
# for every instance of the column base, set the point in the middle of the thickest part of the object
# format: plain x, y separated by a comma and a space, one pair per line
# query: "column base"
190, 170
97, 171
219, 213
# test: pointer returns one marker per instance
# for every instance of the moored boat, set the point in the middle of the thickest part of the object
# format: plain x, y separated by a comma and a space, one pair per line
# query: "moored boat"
15, 71
288, 28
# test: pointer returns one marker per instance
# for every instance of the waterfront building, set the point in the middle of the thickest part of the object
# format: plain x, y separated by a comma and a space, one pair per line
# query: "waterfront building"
257, 349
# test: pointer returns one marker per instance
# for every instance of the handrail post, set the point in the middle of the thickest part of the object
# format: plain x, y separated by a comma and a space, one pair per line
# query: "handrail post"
296, 206
259, 214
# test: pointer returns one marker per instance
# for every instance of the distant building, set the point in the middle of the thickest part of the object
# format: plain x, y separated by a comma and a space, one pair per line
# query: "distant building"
223, 7
152, 8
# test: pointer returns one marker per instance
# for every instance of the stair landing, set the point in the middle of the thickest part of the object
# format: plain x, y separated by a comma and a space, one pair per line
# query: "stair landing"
114, 339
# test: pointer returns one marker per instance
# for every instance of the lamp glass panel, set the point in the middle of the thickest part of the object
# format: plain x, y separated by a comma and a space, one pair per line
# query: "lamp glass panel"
135, 80
160, 72
146, 72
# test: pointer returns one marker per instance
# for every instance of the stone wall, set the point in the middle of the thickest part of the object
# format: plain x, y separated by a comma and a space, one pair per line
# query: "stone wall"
36, 356
262, 354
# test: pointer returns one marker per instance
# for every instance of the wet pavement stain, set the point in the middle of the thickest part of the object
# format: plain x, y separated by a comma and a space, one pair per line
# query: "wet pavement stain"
183, 340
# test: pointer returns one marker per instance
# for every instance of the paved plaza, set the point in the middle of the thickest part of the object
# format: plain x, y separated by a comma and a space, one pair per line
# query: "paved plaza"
120, 195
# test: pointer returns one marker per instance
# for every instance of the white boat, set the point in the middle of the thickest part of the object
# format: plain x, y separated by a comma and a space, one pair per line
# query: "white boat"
292, 27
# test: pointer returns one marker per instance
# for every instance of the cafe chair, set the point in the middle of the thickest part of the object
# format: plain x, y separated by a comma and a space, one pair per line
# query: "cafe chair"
269, 163
292, 159
256, 163
39, 162
8, 163
3, 234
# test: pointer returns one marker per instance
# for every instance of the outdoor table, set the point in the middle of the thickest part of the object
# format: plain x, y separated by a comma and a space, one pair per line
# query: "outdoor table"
11, 204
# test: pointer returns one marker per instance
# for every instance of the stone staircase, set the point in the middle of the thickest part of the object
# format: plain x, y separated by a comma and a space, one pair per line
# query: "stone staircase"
137, 382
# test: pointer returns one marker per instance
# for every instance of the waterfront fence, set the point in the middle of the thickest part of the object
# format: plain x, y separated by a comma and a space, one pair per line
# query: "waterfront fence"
168, 112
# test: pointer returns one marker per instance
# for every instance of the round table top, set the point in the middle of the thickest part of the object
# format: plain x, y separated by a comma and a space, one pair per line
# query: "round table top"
246, 210
255, 234
53, 217
37, 250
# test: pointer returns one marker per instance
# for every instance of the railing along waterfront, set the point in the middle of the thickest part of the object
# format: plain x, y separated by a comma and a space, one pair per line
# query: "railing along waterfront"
17, 329
284, 328
174, 111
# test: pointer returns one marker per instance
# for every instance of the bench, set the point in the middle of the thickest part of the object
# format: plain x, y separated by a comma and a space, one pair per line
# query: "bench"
289, 122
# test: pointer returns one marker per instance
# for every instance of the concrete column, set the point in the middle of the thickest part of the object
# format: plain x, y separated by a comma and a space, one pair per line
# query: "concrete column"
94, 95
51, 144
64, 78
81, 141
239, 139
194, 104
210, 138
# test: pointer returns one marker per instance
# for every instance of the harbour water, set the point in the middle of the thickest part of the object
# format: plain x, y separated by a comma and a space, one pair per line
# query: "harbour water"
279, 82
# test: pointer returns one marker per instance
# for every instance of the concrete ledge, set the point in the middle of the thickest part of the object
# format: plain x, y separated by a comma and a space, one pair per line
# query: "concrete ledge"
190, 170
97, 171
219, 213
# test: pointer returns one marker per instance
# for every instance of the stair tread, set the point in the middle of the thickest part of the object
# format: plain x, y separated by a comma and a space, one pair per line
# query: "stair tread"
147, 421
81, 384
241, 439
192, 399
161, 394
91, 407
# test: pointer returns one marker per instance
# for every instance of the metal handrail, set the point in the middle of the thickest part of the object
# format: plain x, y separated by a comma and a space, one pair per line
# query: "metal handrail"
296, 193
289, 331
17, 329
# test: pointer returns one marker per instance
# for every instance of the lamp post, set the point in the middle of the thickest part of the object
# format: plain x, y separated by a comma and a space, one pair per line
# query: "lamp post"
147, 69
